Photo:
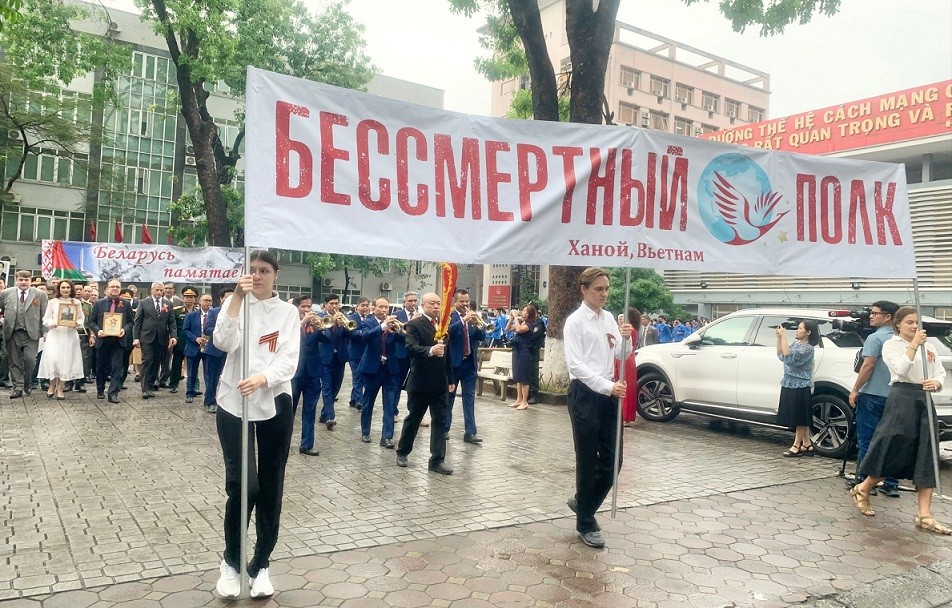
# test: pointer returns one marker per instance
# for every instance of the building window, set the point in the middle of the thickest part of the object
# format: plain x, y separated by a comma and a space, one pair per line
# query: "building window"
627, 113
731, 107
30, 225
684, 94
660, 86
659, 121
707, 129
630, 78
682, 126
50, 166
524, 82
710, 101
755, 114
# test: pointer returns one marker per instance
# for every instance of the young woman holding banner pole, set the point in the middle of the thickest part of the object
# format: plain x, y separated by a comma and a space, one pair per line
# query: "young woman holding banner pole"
904, 444
273, 344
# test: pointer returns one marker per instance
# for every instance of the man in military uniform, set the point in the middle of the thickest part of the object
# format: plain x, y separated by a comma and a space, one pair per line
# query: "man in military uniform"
189, 298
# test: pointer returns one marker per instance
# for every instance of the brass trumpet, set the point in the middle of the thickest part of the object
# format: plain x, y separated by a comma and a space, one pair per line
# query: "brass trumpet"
326, 322
396, 327
477, 322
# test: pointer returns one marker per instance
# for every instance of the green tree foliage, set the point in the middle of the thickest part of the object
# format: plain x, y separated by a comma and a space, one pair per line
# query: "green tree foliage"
521, 106
325, 263
647, 293
772, 16
213, 42
42, 55
9, 12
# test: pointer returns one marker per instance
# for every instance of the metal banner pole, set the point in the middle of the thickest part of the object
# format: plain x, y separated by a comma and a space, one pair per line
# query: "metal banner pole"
621, 400
930, 407
243, 552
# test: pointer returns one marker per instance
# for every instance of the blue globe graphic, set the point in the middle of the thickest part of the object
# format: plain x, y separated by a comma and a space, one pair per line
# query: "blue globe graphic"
747, 177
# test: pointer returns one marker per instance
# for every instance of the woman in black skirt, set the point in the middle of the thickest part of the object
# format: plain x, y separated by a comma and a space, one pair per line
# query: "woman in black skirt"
901, 446
795, 386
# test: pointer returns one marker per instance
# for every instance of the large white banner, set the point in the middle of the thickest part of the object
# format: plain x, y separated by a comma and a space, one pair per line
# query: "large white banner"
340, 171
80, 261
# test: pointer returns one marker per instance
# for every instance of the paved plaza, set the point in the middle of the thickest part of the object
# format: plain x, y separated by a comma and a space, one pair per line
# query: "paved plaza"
121, 505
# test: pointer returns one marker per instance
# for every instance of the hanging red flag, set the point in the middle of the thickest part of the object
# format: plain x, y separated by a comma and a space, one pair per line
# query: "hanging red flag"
146, 236
117, 236
168, 237
92, 230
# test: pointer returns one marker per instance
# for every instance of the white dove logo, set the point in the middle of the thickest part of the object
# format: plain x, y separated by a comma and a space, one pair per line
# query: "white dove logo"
728, 200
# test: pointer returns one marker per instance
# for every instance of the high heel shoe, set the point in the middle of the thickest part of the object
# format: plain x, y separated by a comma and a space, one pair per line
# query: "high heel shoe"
794, 452
50, 395
807, 450
60, 398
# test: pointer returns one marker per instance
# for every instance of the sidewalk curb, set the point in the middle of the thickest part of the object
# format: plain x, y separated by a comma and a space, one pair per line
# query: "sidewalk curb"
925, 587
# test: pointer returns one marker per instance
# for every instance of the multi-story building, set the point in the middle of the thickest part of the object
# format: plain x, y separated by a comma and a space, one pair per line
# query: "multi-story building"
911, 127
151, 161
651, 82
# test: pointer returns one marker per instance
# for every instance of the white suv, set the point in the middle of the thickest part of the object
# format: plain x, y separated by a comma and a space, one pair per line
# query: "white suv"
729, 369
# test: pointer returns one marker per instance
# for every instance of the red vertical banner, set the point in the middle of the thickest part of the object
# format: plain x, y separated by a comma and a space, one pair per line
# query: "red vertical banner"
92, 230
146, 235
449, 273
117, 236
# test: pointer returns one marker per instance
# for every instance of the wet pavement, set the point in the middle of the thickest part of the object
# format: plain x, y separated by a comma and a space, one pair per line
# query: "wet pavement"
121, 505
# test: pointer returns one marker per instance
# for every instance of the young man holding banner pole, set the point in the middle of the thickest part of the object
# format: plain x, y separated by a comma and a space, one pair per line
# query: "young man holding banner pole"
593, 341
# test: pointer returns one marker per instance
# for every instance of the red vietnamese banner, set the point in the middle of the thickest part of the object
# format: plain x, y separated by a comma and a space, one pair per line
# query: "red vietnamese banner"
894, 117
339, 171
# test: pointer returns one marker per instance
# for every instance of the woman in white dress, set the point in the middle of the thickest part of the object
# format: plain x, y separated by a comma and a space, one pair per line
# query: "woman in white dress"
62, 358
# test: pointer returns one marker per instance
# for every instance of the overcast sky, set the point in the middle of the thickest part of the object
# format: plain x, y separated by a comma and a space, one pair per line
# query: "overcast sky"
870, 47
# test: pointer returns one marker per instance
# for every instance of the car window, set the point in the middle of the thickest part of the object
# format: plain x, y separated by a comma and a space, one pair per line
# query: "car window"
729, 332
940, 336
829, 328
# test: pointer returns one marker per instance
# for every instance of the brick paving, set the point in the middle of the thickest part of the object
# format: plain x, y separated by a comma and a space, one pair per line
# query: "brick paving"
121, 506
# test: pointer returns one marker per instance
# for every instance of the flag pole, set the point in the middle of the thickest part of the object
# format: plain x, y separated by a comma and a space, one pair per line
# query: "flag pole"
243, 551
621, 400
933, 444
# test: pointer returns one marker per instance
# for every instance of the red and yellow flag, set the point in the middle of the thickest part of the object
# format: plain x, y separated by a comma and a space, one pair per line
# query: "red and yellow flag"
449, 272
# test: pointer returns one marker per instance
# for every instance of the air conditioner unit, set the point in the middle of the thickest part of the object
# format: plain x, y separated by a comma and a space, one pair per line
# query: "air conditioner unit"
227, 150
328, 283
16, 198
113, 28
709, 107
9, 259
732, 114
190, 161
190, 149
680, 99
385, 287
14, 134
631, 90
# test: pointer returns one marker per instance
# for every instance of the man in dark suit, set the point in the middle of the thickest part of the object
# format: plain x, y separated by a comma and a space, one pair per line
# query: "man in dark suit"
355, 351
110, 349
430, 379
154, 332
380, 368
306, 383
464, 341
332, 344
214, 358
22, 308
405, 315
194, 340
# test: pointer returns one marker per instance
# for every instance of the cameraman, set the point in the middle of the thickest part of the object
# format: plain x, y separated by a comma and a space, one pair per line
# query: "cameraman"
872, 386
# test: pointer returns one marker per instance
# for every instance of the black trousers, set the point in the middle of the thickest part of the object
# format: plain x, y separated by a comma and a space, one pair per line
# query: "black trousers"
417, 404
265, 480
153, 354
109, 357
594, 418
175, 372
533, 371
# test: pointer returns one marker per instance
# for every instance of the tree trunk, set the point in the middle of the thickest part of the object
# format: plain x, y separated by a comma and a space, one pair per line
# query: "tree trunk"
545, 94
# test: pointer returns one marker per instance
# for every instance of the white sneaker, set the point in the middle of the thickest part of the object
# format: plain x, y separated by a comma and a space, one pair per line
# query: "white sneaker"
261, 585
229, 584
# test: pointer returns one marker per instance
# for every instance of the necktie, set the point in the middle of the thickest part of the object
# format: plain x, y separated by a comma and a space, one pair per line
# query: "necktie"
22, 297
433, 321
156, 306
466, 350
203, 322
112, 305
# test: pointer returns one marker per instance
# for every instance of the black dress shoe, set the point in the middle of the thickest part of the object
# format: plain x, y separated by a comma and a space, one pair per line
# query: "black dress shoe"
467, 438
197, 393
310, 452
100, 395
331, 424
441, 469
173, 389
80, 388
68, 388
321, 420
532, 400
386, 443
16, 394
592, 539
365, 438
189, 399
138, 378
162, 385
147, 395
402, 461
29, 389
113, 399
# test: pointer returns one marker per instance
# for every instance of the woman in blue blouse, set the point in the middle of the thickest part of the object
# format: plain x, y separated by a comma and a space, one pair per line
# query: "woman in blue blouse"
795, 387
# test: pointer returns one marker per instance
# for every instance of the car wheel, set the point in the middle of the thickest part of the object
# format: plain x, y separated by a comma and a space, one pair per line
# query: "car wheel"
832, 423
655, 399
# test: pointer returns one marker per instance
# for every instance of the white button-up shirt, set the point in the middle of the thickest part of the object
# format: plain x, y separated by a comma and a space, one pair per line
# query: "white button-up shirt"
902, 369
592, 343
